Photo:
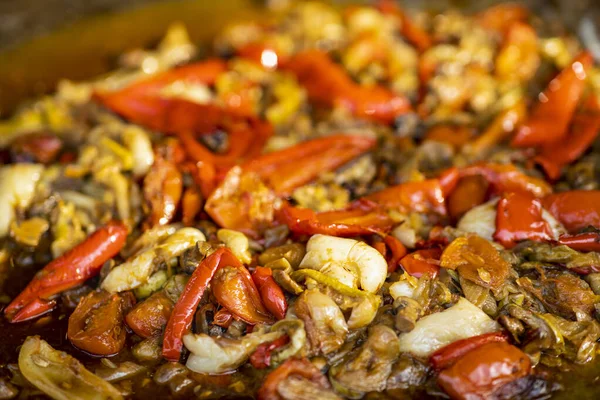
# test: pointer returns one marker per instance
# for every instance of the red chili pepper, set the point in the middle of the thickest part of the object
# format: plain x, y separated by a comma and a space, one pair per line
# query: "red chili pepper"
422, 262
481, 371
328, 84
588, 241
549, 120
412, 32
261, 358
185, 308
584, 130
361, 218
508, 178
575, 209
295, 166
448, 355
519, 218
73, 268
270, 292
291, 366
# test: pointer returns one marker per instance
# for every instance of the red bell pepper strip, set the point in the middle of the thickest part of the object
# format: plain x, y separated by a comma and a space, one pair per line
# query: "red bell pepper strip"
271, 294
361, 218
549, 120
483, 370
291, 366
185, 308
448, 355
329, 85
584, 130
71, 269
501, 17
422, 262
290, 168
508, 178
576, 209
261, 358
519, 218
412, 32
424, 196
588, 241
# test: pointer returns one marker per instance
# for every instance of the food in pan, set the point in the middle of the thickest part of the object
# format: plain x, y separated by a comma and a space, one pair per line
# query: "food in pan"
366, 202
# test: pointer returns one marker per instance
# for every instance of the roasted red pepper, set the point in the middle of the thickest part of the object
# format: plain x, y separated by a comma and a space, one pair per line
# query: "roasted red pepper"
397, 252
291, 366
185, 308
448, 355
69, 270
584, 130
588, 241
360, 218
576, 209
270, 292
422, 262
425, 196
549, 120
261, 358
478, 373
96, 325
507, 178
470, 191
501, 17
329, 85
295, 166
412, 32
519, 218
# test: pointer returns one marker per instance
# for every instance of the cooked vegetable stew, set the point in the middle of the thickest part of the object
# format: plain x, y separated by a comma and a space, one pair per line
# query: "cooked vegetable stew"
365, 202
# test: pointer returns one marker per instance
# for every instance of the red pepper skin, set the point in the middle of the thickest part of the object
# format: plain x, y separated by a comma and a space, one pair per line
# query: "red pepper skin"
448, 355
549, 120
417, 263
501, 17
361, 218
34, 309
481, 371
397, 250
185, 308
291, 366
271, 294
589, 241
575, 209
298, 165
73, 268
584, 130
261, 358
412, 32
470, 192
507, 178
329, 85
519, 218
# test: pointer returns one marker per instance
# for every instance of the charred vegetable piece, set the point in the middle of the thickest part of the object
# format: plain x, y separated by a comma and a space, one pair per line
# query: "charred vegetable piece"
481, 371
148, 318
96, 325
70, 270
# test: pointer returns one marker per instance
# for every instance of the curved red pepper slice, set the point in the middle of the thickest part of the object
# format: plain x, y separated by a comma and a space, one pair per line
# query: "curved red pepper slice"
576, 209
422, 262
291, 366
73, 268
584, 130
519, 218
412, 32
588, 241
329, 85
295, 166
550, 118
448, 355
271, 294
185, 308
508, 178
361, 218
